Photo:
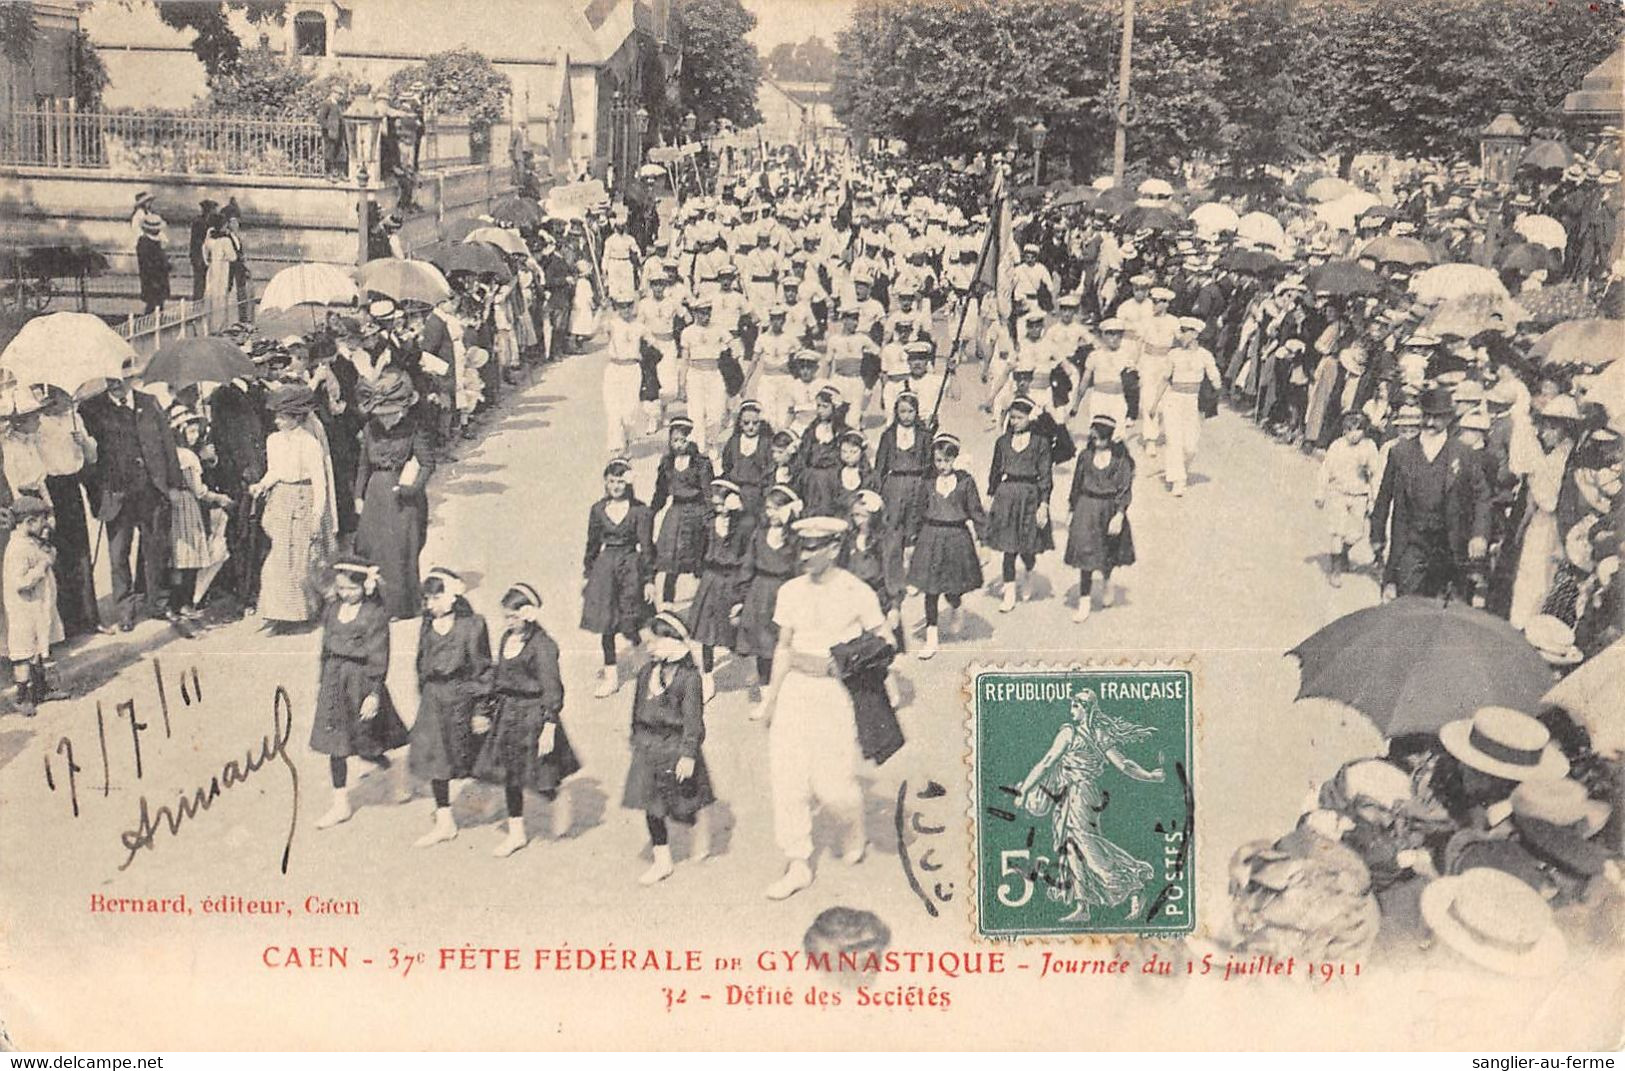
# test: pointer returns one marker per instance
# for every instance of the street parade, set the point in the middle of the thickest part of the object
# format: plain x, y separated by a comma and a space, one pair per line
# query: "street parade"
643, 530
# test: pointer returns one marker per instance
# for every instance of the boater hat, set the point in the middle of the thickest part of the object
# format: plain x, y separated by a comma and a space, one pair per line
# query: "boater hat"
816, 532
1504, 743
869, 500
1495, 920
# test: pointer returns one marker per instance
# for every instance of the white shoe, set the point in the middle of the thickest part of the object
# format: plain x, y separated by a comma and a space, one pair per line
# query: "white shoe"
797, 876
758, 711
338, 813
560, 816
514, 841
928, 650
708, 686
1178, 489
660, 869
1008, 603
1024, 590
1081, 614
444, 829
854, 855
1108, 595
609, 682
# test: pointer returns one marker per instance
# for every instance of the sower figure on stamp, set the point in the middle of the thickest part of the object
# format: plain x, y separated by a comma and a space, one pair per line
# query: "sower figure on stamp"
812, 736
1065, 784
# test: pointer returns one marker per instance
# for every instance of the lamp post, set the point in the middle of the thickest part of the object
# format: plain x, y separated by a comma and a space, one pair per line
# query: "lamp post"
363, 126
1040, 133
1125, 73
641, 119
616, 108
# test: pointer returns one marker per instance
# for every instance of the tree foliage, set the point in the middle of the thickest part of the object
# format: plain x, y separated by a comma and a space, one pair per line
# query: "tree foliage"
1248, 82
18, 31
461, 81
216, 43
265, 84
90, 76
721, 68
808, 61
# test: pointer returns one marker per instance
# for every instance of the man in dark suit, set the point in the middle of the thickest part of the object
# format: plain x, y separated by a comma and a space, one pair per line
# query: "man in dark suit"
129, 488
1435, 490
237, 433
329, 116
194, 247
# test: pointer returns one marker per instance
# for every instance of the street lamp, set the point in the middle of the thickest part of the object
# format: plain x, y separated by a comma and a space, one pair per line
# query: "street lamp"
617, 108
1040, 133
363, 127
641, 117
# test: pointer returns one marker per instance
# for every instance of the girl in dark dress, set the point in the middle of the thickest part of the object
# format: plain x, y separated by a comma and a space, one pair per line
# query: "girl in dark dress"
668, 780
872, 551
454, 682
1018, 485
785, 466
1099, 538
527, 746
855, 474
716, 606
747, 456
772, 561
354, 713
821, 457
682, 480
902, 464
392, 470
619, 568
945, 561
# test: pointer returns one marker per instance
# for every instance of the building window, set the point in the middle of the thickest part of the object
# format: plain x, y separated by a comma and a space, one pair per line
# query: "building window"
310, 33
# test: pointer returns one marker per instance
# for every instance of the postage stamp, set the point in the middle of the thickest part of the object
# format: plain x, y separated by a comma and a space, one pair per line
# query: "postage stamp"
1084, 808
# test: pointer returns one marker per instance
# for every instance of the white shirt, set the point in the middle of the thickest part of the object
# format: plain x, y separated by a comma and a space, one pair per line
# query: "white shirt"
821, 615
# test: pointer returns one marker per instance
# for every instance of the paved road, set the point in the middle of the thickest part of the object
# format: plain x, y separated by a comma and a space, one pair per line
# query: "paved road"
1225, 574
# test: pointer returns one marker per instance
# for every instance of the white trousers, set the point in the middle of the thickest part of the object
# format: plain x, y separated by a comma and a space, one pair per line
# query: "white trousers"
1182, 426
812, 757
622, 410
707, 402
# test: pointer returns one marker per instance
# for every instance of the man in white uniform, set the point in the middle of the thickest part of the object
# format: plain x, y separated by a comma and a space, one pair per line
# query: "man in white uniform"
703, 344
623, 375
1158, 331
812, 736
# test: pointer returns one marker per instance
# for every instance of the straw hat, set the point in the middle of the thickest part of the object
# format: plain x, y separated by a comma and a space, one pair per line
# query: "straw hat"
1496, 921
1504, 743
1553, 639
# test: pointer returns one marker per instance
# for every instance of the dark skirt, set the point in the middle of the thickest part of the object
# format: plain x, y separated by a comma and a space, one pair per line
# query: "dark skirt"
904, 502
75, 589
709, 619
1087, 544
613, 600
153, 267
444, 744
1012, 521
822, 493
680, 547
509, 755
337, 729
390, 532
651, 781
757, 635
944, 561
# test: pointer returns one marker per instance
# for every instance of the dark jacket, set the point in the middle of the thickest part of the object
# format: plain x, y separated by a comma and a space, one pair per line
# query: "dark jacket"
329, 116
862, 664
1466, 506
135, 451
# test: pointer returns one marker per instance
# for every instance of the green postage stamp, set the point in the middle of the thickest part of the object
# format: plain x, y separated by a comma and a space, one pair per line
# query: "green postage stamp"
1083, 796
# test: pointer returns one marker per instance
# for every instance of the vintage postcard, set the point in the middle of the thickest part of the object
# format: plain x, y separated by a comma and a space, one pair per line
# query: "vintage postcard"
811, 524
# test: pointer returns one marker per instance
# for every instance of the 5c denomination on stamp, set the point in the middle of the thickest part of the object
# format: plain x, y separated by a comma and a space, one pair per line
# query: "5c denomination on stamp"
1083, 811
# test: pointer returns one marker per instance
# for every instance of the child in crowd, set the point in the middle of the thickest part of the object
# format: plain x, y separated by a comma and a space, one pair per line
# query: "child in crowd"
1343, 490
619, 568
31, 618
454, 680
683, 480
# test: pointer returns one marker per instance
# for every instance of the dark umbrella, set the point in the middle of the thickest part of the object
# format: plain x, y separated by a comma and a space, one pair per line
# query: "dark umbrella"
1114, 202
476, 257
1526, 257
458, 229
1344, 277
1414, 664
1546, 156
517, 210
1078, 195
1380, 212
300, 320
208, 359
1154, 218
1250, 261
1393, 249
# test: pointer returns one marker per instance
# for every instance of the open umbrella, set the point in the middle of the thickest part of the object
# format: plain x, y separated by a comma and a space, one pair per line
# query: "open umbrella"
309, 284
69, 350
1251, 262
1379, 212
1214, 218
475, 257
1329, 189
1154, 218
1263, 228
504, 239
1546, 155
404, 280
1393, 249
1527, 257
280, 323
1344, 277
1155, 187
1114, 202
456, 230
1607, 389
1581, 342
517, 210
1445, 281
1555, 304
1465, 317
1542, 230
207, 359
1078, 195
1414, 664
1344, 213
1591, 695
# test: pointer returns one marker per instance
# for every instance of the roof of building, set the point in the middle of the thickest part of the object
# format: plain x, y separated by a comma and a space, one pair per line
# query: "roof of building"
1602, 90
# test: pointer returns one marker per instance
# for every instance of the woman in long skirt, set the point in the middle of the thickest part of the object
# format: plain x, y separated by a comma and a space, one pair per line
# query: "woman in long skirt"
902, 464
945, 562
1019, 484
772, 561
354, 712
821, 457
1189, 366
619, 567
683, 480
711, 616
454, 682
294, 515
1099, 538
397, 458
668, 780
527, 746
67, 448
872, 551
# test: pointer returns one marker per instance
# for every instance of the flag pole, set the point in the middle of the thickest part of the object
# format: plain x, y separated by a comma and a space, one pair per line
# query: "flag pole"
994, 199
